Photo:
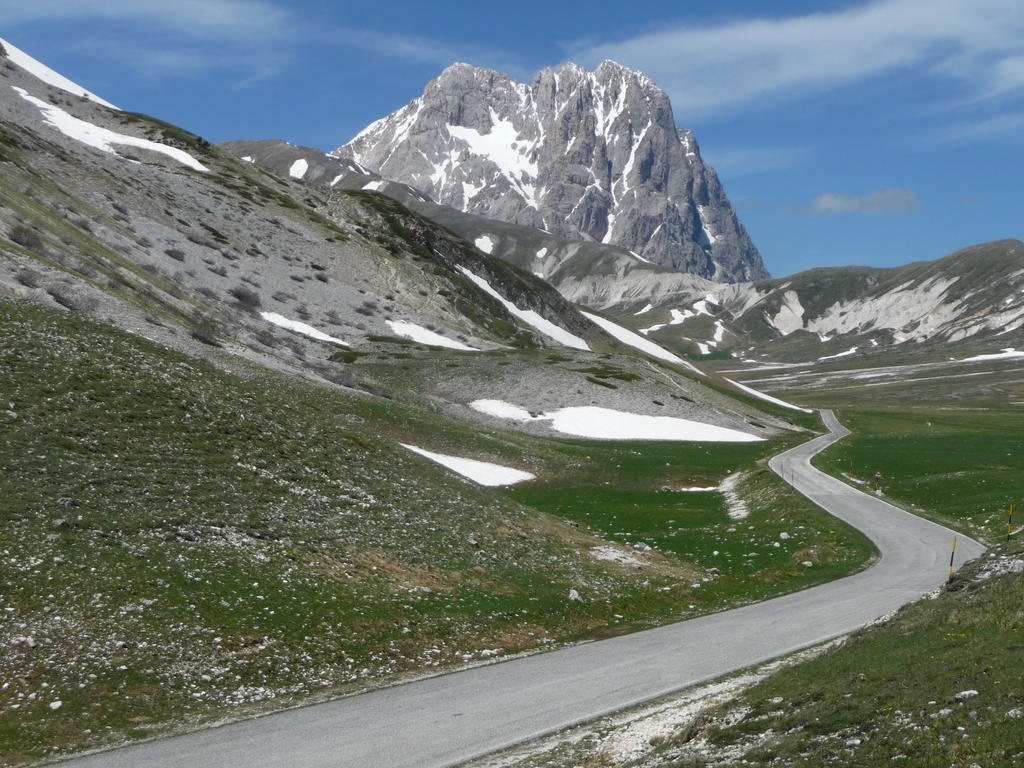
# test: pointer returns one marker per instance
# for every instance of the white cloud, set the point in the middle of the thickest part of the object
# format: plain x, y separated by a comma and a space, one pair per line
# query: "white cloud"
889, 200
1009, 124
730, 66
220, 19
259, 35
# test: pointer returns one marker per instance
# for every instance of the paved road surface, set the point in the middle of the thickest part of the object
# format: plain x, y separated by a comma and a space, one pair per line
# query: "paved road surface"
449, 719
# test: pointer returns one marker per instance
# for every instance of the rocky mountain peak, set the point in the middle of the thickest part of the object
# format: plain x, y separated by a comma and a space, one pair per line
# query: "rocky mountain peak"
589, 155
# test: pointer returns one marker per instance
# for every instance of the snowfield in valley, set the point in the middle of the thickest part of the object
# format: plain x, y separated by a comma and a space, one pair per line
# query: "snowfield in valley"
1007, 354
607, 424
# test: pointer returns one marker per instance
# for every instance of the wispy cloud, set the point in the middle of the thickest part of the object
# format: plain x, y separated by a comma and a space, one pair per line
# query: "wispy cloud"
397, 45
255, 37
733, 65
889, 200
197, 19
1010, 124
739, 162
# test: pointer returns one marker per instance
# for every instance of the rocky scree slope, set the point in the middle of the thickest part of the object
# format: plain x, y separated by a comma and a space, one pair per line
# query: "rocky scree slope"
594, 156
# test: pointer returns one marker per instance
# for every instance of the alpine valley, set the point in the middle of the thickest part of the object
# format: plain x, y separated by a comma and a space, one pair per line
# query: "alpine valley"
499, 375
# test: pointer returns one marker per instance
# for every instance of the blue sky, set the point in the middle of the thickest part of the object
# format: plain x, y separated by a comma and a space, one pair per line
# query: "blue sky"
845, 132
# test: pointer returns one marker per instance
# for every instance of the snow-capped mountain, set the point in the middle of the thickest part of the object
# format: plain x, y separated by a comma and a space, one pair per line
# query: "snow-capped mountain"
593, 156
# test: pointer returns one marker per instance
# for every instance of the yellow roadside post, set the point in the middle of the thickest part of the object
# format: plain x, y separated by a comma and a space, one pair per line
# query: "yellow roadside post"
951, 555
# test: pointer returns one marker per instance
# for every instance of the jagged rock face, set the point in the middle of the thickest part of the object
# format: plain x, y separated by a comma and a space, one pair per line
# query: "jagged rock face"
587, 155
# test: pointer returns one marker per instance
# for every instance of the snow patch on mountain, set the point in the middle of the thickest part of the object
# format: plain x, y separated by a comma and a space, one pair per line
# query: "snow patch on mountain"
48, 76
297, 326
481, 472
504, 147
678, 317
847, 353
529, 316
104, 139
422, 335
790, 316
767, 398
637, 341
1007, 354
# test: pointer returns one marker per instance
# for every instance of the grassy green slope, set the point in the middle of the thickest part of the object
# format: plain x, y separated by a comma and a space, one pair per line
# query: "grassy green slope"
963, 467
889, 695
176, 541
785, 543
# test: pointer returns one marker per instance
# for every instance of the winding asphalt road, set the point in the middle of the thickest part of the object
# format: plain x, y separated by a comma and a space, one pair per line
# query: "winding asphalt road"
446, 720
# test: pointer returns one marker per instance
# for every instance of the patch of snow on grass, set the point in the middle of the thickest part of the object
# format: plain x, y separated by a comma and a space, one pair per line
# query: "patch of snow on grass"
637, 256
848, 352
529, 316
767, 398
374, 186
422, 335
482, 472
503, 410
298, 169
542, 253
1007, 354
680, 316
637, 341
607, 424
104, 139
49, 76
248, 159
300, 327
484, 243
719, 332
646, 309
